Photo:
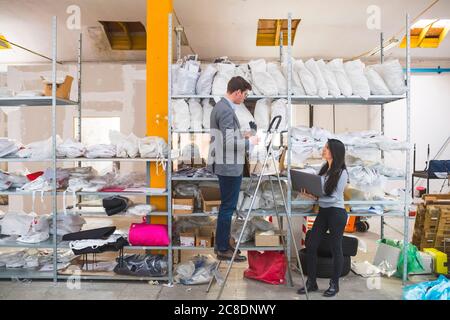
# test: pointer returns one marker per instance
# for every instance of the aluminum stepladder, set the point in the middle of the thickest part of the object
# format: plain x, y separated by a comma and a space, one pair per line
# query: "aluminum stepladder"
268, 142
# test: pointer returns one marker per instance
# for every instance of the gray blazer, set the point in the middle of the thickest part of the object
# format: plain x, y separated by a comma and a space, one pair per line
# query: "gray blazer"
227, 146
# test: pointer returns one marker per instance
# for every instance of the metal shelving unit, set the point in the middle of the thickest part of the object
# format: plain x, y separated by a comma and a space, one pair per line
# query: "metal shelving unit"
332, 101
53, 242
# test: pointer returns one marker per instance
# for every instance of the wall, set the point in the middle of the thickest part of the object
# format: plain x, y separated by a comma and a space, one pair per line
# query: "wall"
108, 90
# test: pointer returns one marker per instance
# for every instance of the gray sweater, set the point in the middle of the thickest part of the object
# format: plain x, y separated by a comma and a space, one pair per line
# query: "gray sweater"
336, 199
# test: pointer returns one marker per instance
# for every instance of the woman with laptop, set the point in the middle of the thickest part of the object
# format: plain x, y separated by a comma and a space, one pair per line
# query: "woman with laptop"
332, 215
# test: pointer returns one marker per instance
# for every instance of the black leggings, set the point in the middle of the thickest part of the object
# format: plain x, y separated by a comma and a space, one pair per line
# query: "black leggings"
333, 219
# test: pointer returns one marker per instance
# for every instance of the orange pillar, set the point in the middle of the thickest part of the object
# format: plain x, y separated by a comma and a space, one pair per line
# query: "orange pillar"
157, 87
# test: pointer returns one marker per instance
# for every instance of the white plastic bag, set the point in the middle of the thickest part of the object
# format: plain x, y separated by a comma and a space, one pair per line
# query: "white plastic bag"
244, 116
392, 74
376, 83
322, 89
262, 113
152, 147
355, 72
307, 78
225, 71
101, 151
337, 66
297, 86
243, 71
180, 115
39, 150
126, 146
279, 108
70, 149
187, 77
261, 79
330, 79
205, 81
207, 109
195, 114
175, 68
274, 70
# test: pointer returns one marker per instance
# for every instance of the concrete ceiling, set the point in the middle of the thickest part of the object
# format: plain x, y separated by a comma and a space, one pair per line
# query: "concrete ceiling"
331, 28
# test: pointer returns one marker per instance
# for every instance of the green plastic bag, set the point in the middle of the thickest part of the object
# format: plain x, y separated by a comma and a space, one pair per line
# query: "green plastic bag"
414, 260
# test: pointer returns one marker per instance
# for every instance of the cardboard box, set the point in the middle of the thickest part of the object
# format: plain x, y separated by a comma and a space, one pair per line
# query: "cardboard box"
62, 89
268, 238
182, 205
210, 199
205, 237
187, 239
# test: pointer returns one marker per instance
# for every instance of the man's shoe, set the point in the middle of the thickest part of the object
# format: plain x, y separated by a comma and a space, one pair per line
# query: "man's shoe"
310, 286
228, 255
231, 248
332, 290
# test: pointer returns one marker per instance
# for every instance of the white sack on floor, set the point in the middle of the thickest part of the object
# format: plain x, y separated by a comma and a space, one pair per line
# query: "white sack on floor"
355, 72
180, 115
322, 89
261, 79
376, 83
330, 79
262, 113
205, 81
225, 71
392, 74
279, 108
187, 77
275, 71
70, 149
307, 78
244, 116
337, 66
207, 109
126, 146
195, 114
297, 86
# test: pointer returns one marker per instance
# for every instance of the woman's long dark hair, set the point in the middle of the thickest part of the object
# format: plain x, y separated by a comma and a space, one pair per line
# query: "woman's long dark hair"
337, 150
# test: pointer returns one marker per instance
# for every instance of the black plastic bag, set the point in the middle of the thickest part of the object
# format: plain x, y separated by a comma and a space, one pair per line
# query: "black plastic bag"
142, 265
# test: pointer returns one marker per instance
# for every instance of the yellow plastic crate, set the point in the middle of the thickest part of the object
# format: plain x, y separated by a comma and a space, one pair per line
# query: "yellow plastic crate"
440, 260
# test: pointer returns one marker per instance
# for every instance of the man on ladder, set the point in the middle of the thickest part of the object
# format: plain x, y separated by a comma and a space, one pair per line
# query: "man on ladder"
226, 159
233, 254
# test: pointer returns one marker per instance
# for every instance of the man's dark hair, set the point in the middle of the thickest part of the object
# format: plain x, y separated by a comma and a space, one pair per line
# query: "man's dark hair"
238, 83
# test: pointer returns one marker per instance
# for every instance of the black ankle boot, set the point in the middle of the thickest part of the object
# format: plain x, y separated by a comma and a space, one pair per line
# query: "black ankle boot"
332, 290
310, 286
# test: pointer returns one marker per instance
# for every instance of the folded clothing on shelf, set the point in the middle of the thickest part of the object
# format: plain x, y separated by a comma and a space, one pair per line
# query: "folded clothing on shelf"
10, 180
70, 149
114, 242
115, 204
194, 172
141, 209
98, 233
142, 265
101, 151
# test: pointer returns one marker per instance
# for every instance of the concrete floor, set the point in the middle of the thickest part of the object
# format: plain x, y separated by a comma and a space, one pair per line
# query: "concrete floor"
352, 287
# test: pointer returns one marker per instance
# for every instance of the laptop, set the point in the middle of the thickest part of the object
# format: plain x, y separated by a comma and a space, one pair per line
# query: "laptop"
311, 182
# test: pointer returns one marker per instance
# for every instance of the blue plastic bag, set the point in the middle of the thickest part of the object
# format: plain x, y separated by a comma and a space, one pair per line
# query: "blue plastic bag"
431, 290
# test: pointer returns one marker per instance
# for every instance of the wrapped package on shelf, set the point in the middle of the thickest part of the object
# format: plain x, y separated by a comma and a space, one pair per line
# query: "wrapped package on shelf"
393, 75
180, 115
355, 72
267, 199
297, 86
205, 81
198, 270
243, 71
337, 67
306, 77
330, 78
225, 71
261, 79
207, 109
126, 146
244, 116
174, 72
101, 151
262, 113
279, 108
7, 147
376, 82
322, 88
187, 77
39, 150
195, 114
275, 71
152, 147
70, 149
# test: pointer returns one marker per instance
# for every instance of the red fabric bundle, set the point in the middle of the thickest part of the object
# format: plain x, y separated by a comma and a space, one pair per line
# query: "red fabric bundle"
268, 266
